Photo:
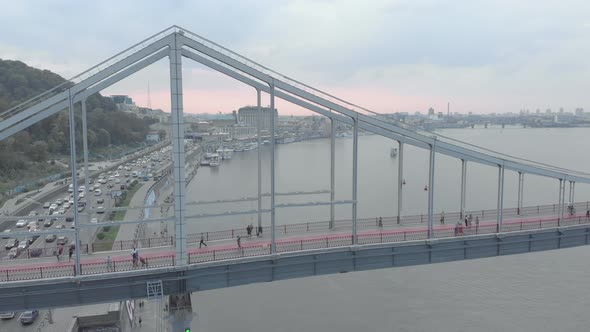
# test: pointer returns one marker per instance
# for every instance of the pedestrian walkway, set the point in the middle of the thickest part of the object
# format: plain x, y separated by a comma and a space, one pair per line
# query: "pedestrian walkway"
252, 246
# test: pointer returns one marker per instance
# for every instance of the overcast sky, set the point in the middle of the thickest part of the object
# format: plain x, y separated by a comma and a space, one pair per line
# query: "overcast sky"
482, 56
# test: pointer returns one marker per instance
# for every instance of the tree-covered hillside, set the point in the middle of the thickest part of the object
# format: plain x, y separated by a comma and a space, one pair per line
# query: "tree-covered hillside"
50, 138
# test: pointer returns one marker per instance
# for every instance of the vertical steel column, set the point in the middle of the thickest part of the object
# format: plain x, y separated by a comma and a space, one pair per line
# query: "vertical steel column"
500, 208
562, 210
559, 204
177, 123
463, 186
258, 140
74, 180
400, 181
86, 173
431, 189
573, 192
519, 196
355, 147
272, 169
332, 170
570, 201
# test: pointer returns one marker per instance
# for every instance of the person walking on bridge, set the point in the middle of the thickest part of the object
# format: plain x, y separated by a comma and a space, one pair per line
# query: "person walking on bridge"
587, 214
442, 218
71, 252
239, 242
202, 243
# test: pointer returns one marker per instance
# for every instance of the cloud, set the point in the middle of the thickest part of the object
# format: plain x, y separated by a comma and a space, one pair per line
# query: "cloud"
401, 55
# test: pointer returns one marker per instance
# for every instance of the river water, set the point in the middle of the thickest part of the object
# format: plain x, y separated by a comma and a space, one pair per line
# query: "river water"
496, 294
304, 166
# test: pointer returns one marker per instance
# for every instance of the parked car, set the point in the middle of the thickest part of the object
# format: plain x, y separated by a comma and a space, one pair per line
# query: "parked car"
21, 223
7, 315
32, 224
62, 240
48, 223
46, 205
50, 237
60, 227
70, 219
28, 317
59, 202
23, 245
6, 234
11, 243
100, 201
13, 253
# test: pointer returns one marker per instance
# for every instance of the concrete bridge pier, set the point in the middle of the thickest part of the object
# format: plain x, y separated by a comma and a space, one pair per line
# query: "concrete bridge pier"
180, 312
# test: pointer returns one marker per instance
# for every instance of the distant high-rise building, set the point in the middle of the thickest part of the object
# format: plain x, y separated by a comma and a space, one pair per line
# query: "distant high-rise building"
431, 111
579, 111
561, 110
249, 116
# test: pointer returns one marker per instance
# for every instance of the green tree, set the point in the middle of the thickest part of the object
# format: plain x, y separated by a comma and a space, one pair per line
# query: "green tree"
103, 138
38, 151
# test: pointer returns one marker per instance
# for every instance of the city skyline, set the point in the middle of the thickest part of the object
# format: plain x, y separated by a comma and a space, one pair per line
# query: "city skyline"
396, 56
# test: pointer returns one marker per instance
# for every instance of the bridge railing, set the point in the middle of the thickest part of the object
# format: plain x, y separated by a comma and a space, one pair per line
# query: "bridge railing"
261, 248
315, 226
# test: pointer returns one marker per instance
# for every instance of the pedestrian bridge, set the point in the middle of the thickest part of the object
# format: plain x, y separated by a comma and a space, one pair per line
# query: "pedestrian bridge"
286, 251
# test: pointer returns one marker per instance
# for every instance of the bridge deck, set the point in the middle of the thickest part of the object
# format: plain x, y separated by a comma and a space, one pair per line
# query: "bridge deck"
225, 249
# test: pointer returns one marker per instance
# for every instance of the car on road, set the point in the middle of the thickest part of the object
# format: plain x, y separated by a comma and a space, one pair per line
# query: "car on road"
32, 224
48, 223
81, 208
69, 219
13, 253
94, 221
60, 227
46, 205
100, 201
81, 189
7, 315
50, 237
32, 213
100, 209
82, 195
28, 317
62, 240
97, 192
21, 223
6, 234
23, 245
52, 207
11, 243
